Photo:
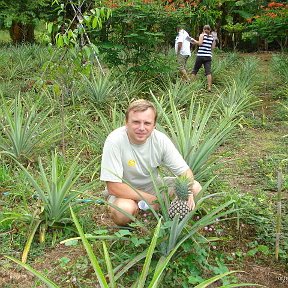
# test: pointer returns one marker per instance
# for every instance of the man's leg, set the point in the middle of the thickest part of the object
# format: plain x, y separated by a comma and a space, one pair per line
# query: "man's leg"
182, 60
193, 76
183, 74
128, 205
196, 188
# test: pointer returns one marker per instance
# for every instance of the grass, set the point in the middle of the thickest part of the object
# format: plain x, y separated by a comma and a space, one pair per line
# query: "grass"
4, 37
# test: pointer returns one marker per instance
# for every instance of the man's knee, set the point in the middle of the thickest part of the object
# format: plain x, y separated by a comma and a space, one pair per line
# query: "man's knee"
127, 205
196, 187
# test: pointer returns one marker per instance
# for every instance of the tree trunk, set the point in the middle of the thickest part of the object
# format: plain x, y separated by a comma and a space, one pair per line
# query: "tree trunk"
20, 33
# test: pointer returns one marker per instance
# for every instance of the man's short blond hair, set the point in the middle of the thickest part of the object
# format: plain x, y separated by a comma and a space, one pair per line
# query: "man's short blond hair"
141, 105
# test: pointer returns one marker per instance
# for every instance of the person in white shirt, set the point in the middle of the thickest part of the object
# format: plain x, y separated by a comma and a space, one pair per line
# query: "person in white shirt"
133, 153
182, 50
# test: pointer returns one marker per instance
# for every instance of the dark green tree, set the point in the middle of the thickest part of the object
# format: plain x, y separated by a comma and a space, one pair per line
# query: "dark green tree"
21, 17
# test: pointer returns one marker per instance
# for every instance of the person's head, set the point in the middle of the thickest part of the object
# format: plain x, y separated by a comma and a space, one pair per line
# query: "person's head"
207, 29
141, 116
180, 27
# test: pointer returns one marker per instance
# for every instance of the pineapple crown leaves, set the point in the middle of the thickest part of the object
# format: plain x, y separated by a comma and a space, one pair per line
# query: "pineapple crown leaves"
182, 187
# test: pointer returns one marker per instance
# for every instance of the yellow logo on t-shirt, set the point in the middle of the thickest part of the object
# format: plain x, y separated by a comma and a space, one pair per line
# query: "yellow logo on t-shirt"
131, 163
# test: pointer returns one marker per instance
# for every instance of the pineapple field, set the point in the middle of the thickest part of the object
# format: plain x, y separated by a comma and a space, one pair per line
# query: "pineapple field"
55, 229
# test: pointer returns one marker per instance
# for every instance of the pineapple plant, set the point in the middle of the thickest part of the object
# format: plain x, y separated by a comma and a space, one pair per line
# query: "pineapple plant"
179, 204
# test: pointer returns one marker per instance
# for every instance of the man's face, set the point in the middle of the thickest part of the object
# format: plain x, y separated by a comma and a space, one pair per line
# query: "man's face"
140, 125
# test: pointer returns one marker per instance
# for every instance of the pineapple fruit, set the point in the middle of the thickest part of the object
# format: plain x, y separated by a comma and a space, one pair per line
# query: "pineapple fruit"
179, 204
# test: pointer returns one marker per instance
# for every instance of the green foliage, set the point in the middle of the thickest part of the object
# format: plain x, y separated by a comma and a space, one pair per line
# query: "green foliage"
4, 174
246, 75
94, 261
87, 127
237, 98
196, 133
279, 67
207, 282
107, 123
173, 236
113, 275
136, 31
24, 130
56, 194
131, 86
99, 89
23, 11
179, 92
258, 211
90, 20
235, 31
270, 24
235, 102
221, 65
19, 63
140, 282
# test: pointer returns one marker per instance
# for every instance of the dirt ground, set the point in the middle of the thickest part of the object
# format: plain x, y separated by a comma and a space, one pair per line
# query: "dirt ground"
272, 277
253, 148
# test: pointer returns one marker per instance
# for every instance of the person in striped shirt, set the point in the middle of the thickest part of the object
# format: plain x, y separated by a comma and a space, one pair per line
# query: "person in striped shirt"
206, 43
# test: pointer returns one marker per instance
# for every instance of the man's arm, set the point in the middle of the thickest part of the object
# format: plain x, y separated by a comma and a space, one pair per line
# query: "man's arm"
123, 190
179, 46
190, 39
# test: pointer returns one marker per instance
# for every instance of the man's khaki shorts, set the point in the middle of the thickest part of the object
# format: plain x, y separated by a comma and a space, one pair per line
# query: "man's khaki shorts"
182, 60
165, 181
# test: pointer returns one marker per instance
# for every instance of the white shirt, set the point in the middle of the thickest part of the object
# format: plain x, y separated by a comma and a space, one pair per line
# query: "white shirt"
123, 161
182, 37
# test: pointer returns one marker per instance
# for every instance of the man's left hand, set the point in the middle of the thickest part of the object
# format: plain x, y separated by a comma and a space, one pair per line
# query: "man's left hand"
191, 202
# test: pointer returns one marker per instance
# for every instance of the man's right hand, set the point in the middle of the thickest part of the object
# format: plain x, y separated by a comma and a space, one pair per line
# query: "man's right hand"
153, 201
123, 190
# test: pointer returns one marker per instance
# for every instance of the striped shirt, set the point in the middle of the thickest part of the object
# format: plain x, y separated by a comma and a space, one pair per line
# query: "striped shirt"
206, 48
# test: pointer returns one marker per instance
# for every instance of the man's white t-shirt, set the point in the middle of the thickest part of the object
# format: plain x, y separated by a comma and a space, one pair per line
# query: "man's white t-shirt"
123, 161
182, 37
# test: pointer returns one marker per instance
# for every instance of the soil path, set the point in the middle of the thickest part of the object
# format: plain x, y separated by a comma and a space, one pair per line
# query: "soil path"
243, 172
